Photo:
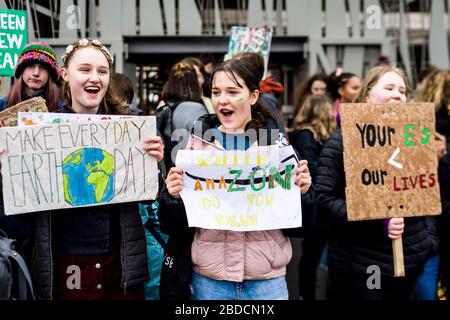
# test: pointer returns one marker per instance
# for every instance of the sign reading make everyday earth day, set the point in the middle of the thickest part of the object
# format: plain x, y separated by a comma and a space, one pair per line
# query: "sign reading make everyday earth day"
77, 164
390, 160
241, 190
13, 37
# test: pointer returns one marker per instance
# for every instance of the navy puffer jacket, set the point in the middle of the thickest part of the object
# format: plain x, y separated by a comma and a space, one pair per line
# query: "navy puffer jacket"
355, 245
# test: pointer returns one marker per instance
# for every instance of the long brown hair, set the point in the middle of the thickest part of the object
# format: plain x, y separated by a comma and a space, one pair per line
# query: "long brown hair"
121, 94
182, 84
303, 90
372, 77
249, 74
50, 94
317, 116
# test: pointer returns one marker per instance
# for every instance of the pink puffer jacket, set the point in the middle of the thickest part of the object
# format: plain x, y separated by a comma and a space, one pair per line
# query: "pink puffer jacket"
238, 256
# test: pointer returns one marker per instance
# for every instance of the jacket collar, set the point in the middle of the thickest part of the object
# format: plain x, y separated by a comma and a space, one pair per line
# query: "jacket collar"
26, 97
211, 121
68, 109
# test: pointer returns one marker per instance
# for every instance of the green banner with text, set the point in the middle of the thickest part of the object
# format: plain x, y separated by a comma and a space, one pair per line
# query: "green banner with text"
13, 37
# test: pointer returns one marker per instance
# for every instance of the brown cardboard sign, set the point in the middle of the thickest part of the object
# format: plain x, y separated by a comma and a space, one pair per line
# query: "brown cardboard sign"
390, 160
8, 117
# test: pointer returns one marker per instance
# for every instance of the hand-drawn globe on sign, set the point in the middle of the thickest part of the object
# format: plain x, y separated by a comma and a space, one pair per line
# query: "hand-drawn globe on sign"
88, 176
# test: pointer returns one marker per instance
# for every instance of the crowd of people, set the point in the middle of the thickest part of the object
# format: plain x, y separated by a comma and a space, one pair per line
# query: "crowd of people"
111, 243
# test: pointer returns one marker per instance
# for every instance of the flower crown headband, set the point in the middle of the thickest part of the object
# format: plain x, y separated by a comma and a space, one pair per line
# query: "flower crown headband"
84, 43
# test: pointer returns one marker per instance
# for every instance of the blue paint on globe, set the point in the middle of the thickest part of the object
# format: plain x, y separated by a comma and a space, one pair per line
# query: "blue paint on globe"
88, 177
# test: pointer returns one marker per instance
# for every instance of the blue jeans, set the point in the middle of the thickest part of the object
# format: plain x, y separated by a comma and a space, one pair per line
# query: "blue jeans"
426, 286
204, 288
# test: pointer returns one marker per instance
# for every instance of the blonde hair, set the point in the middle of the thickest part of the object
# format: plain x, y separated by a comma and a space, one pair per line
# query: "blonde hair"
372, 77
436, 89
316, 115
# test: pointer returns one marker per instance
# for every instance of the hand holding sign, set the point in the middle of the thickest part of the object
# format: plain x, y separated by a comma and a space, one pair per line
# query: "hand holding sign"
174, 182
79, 164
395, 228
303, 179
155, 147
240, 190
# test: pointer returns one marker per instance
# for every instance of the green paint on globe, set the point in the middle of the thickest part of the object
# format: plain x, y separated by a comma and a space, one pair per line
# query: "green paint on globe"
88, 177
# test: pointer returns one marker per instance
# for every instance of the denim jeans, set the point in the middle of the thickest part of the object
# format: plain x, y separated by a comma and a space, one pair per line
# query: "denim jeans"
426, 287
204, 288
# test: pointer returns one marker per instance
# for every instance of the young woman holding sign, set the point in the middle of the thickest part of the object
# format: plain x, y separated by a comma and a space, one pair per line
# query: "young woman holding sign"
37, 75
96, 252
230, 265
360, 257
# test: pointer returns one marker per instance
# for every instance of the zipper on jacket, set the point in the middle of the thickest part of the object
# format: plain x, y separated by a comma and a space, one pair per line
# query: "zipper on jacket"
225, 261
123, 251
51, 253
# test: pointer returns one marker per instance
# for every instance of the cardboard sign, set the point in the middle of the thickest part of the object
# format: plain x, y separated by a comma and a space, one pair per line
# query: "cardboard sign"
241, 190
77, 164
13, 37
390, 160
8, 117
248, 39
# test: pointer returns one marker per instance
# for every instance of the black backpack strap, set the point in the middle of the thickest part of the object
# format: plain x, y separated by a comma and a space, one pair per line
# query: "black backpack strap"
175, 104
23, 276
155, 234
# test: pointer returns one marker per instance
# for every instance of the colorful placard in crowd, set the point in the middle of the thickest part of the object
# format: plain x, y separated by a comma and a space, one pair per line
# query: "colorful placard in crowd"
390, 160
13, 37
77, 164
241, 190
35, 118
249, 39
8, 117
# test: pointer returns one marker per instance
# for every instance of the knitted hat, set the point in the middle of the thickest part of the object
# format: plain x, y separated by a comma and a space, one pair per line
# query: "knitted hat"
38, 52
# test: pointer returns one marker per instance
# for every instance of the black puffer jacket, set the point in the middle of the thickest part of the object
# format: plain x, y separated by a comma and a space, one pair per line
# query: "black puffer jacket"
356, 245
444, 220
177, 263
309, 149
133, 251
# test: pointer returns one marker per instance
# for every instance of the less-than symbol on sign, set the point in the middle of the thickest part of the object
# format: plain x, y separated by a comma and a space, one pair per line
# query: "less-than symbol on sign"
392, 161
